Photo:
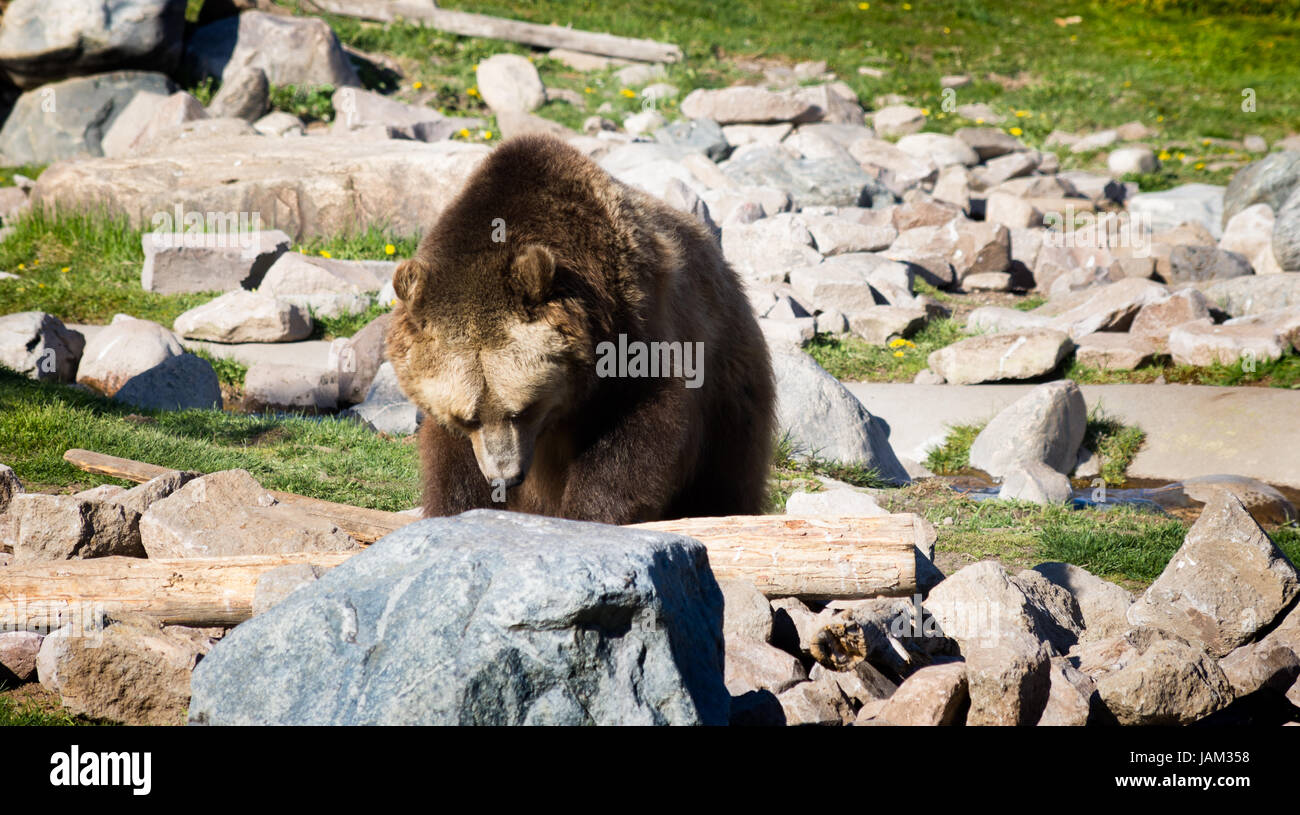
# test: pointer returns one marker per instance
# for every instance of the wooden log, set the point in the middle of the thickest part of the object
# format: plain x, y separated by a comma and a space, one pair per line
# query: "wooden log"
195, 591
846, 558
498, 28
813, 559
363, 525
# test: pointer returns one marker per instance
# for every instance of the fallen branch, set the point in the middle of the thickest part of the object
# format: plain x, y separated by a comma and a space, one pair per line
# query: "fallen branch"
498, 28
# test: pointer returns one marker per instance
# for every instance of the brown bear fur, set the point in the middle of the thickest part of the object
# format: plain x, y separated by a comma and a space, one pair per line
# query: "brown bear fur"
496, 341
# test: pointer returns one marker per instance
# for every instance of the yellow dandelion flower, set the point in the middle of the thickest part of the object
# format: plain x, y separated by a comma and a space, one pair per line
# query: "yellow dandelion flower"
587, 90
1015, 131
1181, 155
910, 344
324, 254
898, 354
630, 94
1074, 38
471, 92
463, 133
22, 266
907, 7
1205, 142
1200, 165
863, 6
947, 30
896, 341
1160, 118
1020, 114
389, 249
1128, 84
1164, 155
939, 115
925, 111
417, 85
66, 269
979, 121
487, 134
40, 285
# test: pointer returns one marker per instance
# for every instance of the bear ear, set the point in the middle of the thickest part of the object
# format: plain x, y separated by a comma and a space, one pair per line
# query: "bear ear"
534, 269
409, 280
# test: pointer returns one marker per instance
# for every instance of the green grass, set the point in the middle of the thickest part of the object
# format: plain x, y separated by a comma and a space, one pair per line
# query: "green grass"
792, 473
1280, 373
1135, 551
229, 371
345, 325
29, 714
953, 455
1114, 443
32, 171
1179, 67
854, 359
335, 460
311, 104
84, 268
1029, 303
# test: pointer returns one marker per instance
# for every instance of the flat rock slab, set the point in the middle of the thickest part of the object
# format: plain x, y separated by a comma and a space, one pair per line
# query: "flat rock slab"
1192, 430
307, 187
485, 618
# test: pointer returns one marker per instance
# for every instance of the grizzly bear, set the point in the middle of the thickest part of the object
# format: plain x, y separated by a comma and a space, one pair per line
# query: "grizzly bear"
580, 349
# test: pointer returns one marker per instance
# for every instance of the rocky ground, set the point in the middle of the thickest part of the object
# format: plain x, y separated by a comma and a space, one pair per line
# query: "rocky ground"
189, 266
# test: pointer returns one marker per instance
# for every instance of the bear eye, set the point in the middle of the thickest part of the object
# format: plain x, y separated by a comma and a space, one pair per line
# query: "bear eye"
467, 424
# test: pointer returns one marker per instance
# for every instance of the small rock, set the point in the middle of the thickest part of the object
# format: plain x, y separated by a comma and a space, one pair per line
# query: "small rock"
180, 383
746, 613
127, 347
897, 120
1103, 605
38, 346
63, 527
242, 316
1034, 481
832, 504
754, 665
933, 696
1022, 354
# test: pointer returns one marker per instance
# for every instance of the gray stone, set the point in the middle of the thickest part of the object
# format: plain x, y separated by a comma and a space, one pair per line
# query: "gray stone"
810, 182
510, 82
989, 142
1155, 320
838, 235
747, 105
141, 497
1196, 263
942, 150
44, 41
64, 527
300, 51
1103, 605
1071, 696
1109, 307
356, 109
245, 94
305, 186
881, 324
982, 603
386, 408
1270, 180
485, 618
1258, 666
767, 249
850, 283
125, 348
825, 420
896, 172
897, 120
1226, 583
833, 503
1198, 203
994, 319
932, 696
697, 136
269, 385
38, 346
1254, 294
228, 513
280, 124
1009, 680
1045, 425
1250, 233
18, 650
753, 665
816, 703
71, 118
1137, 159
192, 262
182, 382
746, 613
1264, 503
1286, 234
1021, 354
134, 671
1035, 482
148, 119
274, 586
1146, 678
320, 286
242, 316
1203, 343
358, 359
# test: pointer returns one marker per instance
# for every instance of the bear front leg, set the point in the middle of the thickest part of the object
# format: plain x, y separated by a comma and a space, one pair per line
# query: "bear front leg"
631, 472
452, 481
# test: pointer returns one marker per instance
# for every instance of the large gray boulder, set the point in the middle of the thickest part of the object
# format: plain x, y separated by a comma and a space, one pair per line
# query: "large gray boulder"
71, 118
1267, 181
304, 186
1254, 294
1286, 234
1045, 425
182, 382
301, 51
826, 421
385, 407
48, 40
486, 618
